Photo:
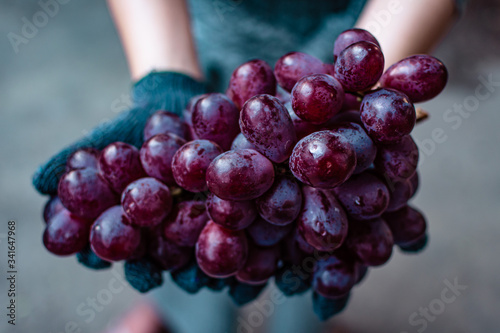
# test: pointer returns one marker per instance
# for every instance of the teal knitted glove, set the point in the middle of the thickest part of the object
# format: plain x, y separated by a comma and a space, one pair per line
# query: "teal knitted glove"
158, 90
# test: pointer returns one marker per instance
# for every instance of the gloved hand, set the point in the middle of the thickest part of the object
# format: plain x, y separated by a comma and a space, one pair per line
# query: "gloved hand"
158, 90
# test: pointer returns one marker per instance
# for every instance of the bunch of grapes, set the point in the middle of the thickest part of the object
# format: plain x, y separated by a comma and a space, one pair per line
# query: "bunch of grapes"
308, 183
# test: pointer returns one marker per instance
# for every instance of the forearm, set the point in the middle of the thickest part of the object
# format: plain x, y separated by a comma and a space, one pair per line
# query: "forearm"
156, 36
407, 27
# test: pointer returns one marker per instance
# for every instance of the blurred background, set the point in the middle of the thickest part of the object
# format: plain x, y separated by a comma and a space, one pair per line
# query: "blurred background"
71, 74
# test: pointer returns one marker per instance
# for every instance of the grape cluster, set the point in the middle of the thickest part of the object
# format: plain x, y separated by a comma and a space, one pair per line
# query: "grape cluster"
308, 183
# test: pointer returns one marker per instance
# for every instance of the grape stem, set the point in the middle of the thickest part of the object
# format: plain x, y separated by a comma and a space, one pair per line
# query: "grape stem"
421, 115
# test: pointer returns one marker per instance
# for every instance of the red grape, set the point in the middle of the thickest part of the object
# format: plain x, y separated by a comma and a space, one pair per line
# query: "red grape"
294, 65
83, 158
359, 66
157, 154
401, 192
261, 264
190, 163
371, 241
351, 102
215, 118
387, 115
322, 221
414, 180
252, 78
163, 122
302, 128
398, 161
112, 237
264, 233
334, 276
407, 225
240, 142
421, 77
120, 165
323, 159
185, 222
85, 193
265, 122
52, 207
167, 254
147, 202
316, 98
221, 252
242, 174
234, 215
351, 36
66, 233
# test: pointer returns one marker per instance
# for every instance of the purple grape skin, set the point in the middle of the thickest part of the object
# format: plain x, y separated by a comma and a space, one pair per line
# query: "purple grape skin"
112, 238
66, 233
265, 234
184, 224
322, 220
351, 116
407, 225
302, 128
187, 114
261, 264
371, 241
351, 102
421, 77
168, 255
281, 204
240, 142
156, 156
398, 161
363, 145
414, 180
334, 277
83, 158
162, 122
351, 36
387, 115
215, 118
363, 196
85, 193
401, 192
120, 165
242, 174
190, 163
266, 124
221, 252
52, 207
233, 215
291, 249
294, 65
147, 202
323, 159
316, 98
252, 78
359, 66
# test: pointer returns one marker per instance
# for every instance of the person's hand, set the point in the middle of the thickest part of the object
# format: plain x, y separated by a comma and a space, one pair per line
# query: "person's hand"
156, 91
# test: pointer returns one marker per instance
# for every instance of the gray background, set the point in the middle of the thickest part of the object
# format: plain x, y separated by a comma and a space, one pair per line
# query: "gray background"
72, 75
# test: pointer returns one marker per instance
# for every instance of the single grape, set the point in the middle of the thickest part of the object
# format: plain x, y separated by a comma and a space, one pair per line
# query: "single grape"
66, 233
351, 36
157, 154
414, 180
52, 207
233, 215
421, 77
215, 118
120, 165
167, 254
322, 221
334, 277
281, 204
302, 128
85, 193
359, 66
252, 78
363, 196
264, 233
371, 241
294, 65
163, 122
407, 225
261, 264
387, 115
398, 161
316, 98
351, 102
147, 202
362, 143
401, 191
266, 124
240, 142
185, 222
242, 174
323, 159
190, 163
112, 237
221, 252
83, 158
187, 114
